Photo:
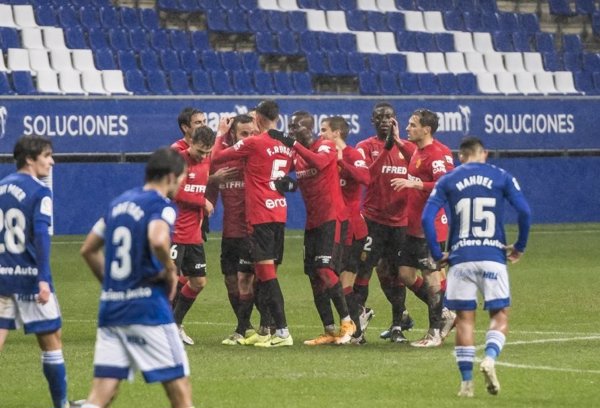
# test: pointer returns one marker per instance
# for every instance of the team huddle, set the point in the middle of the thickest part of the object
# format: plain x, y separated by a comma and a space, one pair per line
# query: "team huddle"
378, 206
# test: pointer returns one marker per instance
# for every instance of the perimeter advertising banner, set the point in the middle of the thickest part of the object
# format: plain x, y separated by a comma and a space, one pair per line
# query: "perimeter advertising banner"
141, 125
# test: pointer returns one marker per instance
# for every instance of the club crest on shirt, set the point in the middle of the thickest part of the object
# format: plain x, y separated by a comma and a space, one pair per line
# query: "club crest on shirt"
191, 176
418, 163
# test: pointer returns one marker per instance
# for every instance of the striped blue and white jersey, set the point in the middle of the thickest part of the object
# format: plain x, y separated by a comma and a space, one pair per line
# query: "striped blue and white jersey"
130, 292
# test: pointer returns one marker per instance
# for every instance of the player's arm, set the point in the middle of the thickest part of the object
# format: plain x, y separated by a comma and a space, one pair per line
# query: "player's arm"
159, 238
41, 241
356, 167
433, 205
515, 197
91, 250
240, 150
320, 159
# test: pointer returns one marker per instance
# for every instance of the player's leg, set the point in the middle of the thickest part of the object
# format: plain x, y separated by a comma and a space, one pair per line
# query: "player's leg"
53, 366
104, 390
347, 278
177, 252
229, 267
8, 317
179, 392
464, 350
3, 336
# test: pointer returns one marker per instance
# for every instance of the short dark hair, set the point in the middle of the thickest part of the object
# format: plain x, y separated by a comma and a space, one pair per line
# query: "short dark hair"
185, 116
383, 105
338, 123
427, 118
469, 145
203, 135
269, 109
163, 162
29, 146
240, 119
305, 115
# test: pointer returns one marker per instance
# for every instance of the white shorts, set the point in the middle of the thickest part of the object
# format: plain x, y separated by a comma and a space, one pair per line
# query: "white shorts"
466, 279
24, 311
156, 351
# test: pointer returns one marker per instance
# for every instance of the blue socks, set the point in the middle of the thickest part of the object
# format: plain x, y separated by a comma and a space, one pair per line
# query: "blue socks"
55, 372
494, 341
464, 359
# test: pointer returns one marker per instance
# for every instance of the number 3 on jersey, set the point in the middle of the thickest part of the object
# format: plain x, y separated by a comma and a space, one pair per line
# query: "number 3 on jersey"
120, 267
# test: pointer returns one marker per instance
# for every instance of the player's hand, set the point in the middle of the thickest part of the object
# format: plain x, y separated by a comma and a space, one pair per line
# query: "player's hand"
43, 295
209, 208
224, 125
282, 137
285, 184
171, 280
443, 261
512, 254
222, 175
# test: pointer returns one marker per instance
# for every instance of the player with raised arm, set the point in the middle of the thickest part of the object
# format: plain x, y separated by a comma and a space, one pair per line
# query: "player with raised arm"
354, 173
476, 192
27, 298
188, 250
385, 212
265, 161
189, 119
326, 223
136, 329
427, 164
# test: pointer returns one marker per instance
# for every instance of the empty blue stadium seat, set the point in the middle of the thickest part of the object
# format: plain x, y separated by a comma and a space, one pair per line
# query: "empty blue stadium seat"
488, 5
368, 84
551, 61
159, 39
265, 43
584, 82
283, 83
129, 17
591, 62
378, 62
347, 42
189, 6
67, 17
338, 63
257, 20
250, 61
23, 83
445, 42
5, 88
503, 41
149, 61
472, 21
466, 5
596, 79
179, 40
356, 20
45, 15
572, 61
210, 60
179, 83
521, 41
585, 7
118, 39
376, 21
135, 82
189, 60
109, 17
277, 21
409, 83
97, 38
561, 8
309, 42
242, 83
221, 83
237, 22
405, 4
489, 21
509, 22
426, 42
529, 22
302, 83
397, 62
89, 17
127, 61
307, 4
149, 19
201, 82
407, 41
317, 63
169, 60
327, 4
356, 62
388, 83
9, 38
228, 4
216, 20
200, 40
288, 43
453, 20
157, 83
104, 59
347, 4
248, 5
544, 42
395, 21
167, 5
138, 39
448, 84
231, 61
572, 43
467, 84
297, 21
263, 83
328, 41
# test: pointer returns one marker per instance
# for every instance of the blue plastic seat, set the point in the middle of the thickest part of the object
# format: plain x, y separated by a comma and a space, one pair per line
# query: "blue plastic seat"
472, 20
127, 61
216, 20
466, 5
585, 7
327, 4
277, 21
445, 42
265, 43
136, 82
368, 84
179, 40
104, 59
509, 22
488, 6
211, 60
409, 83
237, 22
357, 63
242, 83
138, 39
551, 61
347, 5
67, 17
109, 17
347, 42
287, 43
502, 41
97, 38
169, 60
489, 21
228, 4
407, 41
395, 21
378, 62
179, 82
5, 87
376, 21
448, 84
221, 83
189, 6
397, 62
328, 42
467, 84
317, 63
263, 83
405, 5
89, 17
307, 4
338, 63
521, 41
157, 83
544, 42
250, 61
572, 43
297, 21
149, 60
45, 16
248, 5
9, 38
159, 39
309, 42
149, 19
283, 83
201, 83
118, 39
584, 82
388, 83
529, 23
302, 83
591, 62
561, 8
200, 41
426, 42
23, 83
129, 17
572, 61
596, 79
356, 20
189, 60
257, 20
231, 61
167, 5
453, 20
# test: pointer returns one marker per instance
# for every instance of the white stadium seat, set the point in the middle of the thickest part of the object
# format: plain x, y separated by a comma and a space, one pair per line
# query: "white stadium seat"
47, 82
18, 59
32, 38
487, 83
3, 67
368, 5
436, 62
54, 38
83, 60
514, 62
506, 83
533, 62
269, 5
475, 62
483, 42
70, 82
6, 16
61, 60
386, 42
365, 42
316, 20
287, 5
415, 62
455, 61
386, 5
113, 82
336, 21
414, 21
545, 82
494, 62
91, 82
463, 42
24, 16
39, 60
434, 22
564, 82
526, 83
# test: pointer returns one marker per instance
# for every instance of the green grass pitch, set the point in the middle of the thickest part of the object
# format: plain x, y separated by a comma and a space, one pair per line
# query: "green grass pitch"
551, 358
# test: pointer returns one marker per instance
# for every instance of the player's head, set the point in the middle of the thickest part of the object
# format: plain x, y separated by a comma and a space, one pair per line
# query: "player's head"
381, 118
471, 149
203, 140
242, 127
166, 165
334, 127
422, 125
301, 127
34, 153
267, 114
189, 119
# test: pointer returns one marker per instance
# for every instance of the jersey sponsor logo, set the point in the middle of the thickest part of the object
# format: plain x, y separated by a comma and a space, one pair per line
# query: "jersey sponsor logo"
560, 123
490, 275
3, 118
194, 188
394, 170
449, 159
275, 203
169, 215
76, 125
360, 164
324, 148
121, 295
466, 242
438, 166
200, 266
46, 206
301, 174
19, 270
230, 185
413, 178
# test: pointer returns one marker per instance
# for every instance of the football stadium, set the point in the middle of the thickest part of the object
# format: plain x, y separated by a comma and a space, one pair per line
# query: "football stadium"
112, 84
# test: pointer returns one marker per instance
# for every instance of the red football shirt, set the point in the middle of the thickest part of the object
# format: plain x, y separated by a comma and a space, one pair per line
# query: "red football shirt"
382, 204
428, 165
232, 195
353, 173
180, 145
190, 200
265, 159
319, 182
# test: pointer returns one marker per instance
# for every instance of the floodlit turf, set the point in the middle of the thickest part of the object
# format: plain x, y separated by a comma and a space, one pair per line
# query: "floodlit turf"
551, 358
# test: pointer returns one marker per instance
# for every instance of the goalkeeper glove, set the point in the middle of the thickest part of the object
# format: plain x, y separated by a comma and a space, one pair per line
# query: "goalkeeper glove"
286, 184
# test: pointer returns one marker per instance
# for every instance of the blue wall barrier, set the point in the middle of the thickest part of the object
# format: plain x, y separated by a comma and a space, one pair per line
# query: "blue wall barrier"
560, 189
